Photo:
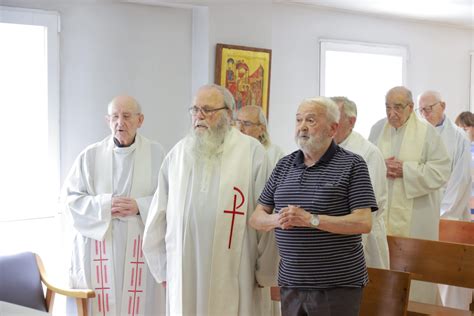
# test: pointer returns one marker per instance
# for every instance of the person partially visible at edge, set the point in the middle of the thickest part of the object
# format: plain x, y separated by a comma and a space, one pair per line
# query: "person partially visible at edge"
457, 192
375, 243
320, 194
252, 122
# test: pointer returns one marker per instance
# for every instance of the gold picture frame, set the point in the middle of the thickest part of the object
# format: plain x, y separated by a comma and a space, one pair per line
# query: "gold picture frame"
245, 72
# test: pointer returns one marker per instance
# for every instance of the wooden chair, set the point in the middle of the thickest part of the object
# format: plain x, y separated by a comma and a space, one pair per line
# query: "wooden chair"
21, 279
385, 294
436, 262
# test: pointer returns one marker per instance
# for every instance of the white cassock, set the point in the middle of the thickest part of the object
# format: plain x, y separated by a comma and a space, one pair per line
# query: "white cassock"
269, 307
106, 254
457, 192
274, 154
375, 243
197, 238
455, 202
414, 200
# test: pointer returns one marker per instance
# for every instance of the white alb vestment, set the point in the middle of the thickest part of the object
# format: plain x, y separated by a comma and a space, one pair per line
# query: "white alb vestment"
197, 238
375, 243
269, 307
414, 200
455, 202
106, 254
274, 154
457, 192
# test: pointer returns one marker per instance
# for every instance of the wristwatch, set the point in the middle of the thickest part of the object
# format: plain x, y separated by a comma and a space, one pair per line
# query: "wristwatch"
314, 220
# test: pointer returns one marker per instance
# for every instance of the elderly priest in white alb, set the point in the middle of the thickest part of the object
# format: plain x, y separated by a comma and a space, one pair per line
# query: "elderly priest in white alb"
196, 238
107, 195
418, 165
457, 192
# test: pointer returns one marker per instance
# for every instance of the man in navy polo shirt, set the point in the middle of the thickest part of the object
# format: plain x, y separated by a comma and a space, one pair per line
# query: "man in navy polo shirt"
323, 199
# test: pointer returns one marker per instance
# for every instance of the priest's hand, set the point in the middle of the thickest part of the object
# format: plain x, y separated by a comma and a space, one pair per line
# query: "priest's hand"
163, 284
124, 206
294, 216
394, 168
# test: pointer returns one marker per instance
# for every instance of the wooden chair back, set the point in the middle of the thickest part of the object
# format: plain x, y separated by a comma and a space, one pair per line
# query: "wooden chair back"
433, 261
386, 293
456, 231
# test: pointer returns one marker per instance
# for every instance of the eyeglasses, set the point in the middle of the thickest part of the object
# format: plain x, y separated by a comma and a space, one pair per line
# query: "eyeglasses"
246, 123
427, 109
194, 110
125, 116
397, 107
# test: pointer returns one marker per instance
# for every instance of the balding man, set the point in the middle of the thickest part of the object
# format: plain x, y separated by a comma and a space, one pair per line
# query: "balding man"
375, 242
107, 195
457, 192
197, 239
417, 167
252, 122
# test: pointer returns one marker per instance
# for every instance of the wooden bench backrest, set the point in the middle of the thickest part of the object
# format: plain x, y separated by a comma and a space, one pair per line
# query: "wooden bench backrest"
385, 294
456, 231
433, 261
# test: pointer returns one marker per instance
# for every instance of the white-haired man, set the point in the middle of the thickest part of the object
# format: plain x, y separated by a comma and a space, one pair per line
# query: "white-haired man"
107, 195
196, 238
457, 192
375, 242
417, 167
323, 199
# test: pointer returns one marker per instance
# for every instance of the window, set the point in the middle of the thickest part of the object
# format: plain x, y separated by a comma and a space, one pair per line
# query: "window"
364, 73
30, 125
29, 164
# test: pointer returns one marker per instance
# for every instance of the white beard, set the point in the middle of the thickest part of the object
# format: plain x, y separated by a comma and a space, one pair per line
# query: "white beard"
206, 145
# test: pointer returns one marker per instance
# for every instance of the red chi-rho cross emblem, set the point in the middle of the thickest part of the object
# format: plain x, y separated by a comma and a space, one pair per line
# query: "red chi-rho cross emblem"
235, 212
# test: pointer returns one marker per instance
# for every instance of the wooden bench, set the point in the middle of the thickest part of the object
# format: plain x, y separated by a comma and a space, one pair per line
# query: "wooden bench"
456, 231
386, 293
436, 262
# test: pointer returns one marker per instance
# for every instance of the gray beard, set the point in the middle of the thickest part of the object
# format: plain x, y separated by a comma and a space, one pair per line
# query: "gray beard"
313, 144
207, 145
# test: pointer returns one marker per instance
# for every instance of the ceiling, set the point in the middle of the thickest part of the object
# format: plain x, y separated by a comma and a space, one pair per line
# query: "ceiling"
457, 13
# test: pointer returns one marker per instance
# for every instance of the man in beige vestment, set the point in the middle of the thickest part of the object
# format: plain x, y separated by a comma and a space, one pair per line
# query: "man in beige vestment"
197, 241
418, 165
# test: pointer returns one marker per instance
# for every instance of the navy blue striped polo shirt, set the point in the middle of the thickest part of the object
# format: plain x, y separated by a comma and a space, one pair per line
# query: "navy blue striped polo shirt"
338, 183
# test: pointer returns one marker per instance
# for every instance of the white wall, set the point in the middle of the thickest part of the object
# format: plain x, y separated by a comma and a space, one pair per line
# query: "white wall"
109, 49
439, 56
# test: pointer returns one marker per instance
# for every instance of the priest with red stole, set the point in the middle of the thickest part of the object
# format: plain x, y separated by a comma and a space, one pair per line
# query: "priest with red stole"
197, 241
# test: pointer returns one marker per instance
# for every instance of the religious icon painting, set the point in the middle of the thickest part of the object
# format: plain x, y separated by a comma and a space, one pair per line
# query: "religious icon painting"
245, 71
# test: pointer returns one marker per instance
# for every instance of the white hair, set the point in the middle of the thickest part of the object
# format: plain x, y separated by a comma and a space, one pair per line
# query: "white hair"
348, 106
332, 110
